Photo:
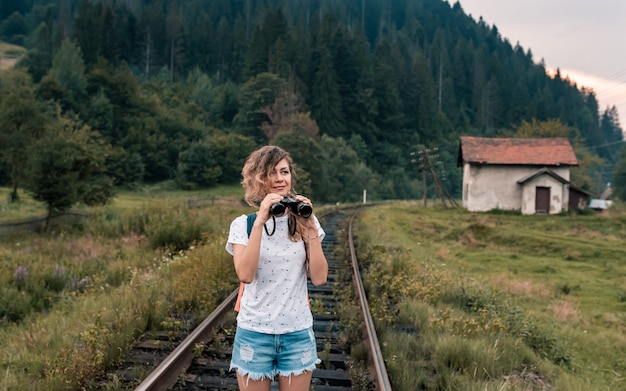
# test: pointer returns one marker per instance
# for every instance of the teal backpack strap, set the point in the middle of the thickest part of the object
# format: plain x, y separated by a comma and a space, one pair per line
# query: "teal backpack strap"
251, 218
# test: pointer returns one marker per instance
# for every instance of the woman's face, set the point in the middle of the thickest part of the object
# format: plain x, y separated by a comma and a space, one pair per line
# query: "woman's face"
280, 179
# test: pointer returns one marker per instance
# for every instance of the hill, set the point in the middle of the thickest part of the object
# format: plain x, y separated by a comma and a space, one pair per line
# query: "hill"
166, 83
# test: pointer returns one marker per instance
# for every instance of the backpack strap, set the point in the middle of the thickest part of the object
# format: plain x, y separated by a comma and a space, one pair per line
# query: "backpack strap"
251, 218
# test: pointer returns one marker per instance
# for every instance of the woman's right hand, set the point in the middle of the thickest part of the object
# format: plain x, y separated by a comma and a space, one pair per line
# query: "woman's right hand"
264, 209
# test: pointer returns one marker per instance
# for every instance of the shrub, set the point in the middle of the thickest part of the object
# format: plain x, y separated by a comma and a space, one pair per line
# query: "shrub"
14, 304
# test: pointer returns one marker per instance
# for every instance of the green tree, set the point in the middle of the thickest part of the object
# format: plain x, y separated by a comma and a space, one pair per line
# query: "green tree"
308, 157
217, 160
22, 122
255, 96
231, 150
272, 29
197, 167
175, 41
100, 114
588, 163
39, 58
125, 168
612, 135
345, 176
420, 109
152, 26
13, 29
69, 167
327, 101
619, 176
146, 139
386, 90
287, 114
87, 30
68, 71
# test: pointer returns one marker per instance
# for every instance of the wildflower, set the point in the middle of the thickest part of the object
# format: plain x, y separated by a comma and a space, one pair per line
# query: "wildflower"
59, 271
20, 276
75, 285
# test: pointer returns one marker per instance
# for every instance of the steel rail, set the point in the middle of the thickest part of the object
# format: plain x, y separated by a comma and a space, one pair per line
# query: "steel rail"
167, 373
376, 355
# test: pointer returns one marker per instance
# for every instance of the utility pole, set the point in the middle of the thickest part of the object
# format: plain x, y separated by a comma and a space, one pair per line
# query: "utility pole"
425, 157
421, 166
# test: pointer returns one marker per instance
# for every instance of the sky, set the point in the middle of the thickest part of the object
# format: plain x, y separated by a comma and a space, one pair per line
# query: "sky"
585, 39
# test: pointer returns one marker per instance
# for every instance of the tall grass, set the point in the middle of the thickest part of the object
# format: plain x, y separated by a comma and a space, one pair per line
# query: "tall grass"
462, 301
74, 300
496, 301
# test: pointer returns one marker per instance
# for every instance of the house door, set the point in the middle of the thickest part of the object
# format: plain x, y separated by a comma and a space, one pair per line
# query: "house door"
542, 200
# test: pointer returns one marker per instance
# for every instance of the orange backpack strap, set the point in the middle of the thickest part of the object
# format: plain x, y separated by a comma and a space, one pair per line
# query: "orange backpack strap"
251, 218
238, 302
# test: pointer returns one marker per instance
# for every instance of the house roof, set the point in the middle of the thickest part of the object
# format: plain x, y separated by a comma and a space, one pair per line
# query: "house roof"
542, 171
575, 189
516, 151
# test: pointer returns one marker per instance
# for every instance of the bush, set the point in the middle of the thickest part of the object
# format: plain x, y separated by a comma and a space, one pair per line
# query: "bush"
14, 304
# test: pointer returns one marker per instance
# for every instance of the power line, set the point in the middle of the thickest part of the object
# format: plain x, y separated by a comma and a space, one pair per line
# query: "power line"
607, 144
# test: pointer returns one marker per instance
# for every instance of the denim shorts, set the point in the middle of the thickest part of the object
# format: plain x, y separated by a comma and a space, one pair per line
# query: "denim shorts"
263, 356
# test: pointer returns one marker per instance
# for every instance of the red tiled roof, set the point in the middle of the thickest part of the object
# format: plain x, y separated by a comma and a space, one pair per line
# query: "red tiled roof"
516, 151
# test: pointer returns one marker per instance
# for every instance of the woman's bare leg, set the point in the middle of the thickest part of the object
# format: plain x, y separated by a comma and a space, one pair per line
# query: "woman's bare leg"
295, 383
246, 384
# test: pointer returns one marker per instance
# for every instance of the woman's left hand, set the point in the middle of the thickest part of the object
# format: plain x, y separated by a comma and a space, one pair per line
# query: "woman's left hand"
307, 222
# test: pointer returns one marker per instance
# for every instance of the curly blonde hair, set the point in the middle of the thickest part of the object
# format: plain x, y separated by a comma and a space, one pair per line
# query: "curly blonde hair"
257, 169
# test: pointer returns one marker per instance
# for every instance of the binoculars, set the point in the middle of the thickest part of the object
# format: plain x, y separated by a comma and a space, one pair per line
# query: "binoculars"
298, 207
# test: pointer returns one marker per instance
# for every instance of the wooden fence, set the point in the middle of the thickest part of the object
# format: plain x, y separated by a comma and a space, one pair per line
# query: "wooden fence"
36, 224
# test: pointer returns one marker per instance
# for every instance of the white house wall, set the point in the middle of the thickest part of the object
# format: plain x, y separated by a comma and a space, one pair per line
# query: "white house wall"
495, 187
559, 199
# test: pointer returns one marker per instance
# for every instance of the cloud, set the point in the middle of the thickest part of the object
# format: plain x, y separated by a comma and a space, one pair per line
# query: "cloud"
583, 39
609, 91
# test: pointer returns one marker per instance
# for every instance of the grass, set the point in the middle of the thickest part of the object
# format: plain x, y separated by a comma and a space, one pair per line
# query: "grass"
499, 301
25, 208
10, 54
126, 199
462, 301
74, 299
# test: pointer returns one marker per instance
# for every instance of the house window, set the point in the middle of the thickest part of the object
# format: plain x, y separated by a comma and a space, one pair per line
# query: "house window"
542, 199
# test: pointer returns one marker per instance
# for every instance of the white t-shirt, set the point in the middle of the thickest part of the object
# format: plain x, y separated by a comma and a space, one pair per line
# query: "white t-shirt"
276, 301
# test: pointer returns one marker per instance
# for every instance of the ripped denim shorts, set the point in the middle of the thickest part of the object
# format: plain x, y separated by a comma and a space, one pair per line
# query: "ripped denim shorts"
263, 356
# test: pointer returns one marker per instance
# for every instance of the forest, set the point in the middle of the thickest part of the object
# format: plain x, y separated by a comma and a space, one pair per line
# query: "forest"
109, 94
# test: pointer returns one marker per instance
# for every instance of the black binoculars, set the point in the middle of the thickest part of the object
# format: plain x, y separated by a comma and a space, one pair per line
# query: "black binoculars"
298, 207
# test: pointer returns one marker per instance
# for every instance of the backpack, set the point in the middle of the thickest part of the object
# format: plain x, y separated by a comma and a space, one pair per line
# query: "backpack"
251, 218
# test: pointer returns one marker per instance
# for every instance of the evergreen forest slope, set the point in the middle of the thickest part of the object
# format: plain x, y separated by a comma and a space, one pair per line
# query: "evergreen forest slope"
183, 91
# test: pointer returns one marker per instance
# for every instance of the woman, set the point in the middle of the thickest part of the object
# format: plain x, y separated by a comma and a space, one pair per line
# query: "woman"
274, 334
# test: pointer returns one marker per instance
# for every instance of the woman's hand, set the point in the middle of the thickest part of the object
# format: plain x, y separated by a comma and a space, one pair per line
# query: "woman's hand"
264, 209
307, 222
318, 265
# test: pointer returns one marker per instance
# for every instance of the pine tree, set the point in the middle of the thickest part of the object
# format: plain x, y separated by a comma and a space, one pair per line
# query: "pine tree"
69, 167
22, 122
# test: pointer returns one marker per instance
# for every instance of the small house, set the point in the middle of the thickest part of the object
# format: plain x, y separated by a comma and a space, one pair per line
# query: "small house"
531, 175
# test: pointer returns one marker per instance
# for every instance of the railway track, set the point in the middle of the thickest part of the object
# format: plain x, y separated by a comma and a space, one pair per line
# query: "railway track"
201, 361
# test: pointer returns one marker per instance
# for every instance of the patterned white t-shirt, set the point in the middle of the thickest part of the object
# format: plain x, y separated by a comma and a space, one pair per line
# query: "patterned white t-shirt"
276, 301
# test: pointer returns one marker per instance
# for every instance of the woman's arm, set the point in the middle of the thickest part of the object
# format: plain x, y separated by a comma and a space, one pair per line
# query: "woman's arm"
318, 266
246, 258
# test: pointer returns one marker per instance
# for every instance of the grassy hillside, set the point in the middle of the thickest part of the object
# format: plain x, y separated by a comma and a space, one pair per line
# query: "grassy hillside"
499, 301
10, 54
